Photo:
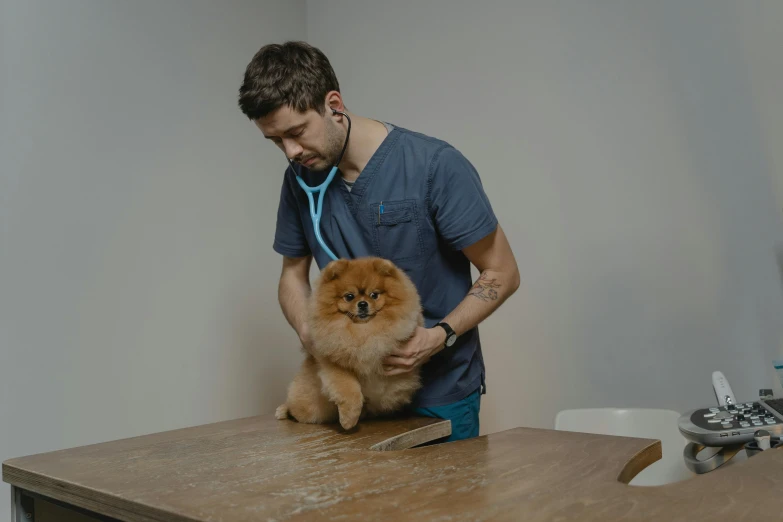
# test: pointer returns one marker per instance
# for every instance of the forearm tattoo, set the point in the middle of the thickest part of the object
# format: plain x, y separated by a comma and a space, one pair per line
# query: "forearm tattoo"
485, 288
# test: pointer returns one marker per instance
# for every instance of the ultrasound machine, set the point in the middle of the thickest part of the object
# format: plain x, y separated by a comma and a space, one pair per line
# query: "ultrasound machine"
730, 426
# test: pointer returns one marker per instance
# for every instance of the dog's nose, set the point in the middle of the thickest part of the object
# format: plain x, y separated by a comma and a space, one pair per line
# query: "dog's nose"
362, 305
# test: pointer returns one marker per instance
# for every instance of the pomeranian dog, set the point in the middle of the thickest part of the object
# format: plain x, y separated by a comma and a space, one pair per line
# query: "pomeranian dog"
360, 310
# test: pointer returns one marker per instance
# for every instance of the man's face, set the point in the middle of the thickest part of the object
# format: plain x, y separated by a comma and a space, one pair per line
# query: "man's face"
308, 138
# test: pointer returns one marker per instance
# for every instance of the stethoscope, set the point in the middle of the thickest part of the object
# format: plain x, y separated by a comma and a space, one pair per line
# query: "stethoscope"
315, 214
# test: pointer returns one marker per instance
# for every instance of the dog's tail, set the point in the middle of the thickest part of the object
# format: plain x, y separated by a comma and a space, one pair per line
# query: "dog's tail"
281, 413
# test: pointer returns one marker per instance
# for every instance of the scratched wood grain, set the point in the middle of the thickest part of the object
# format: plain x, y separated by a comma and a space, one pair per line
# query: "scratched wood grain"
265, 470
234, 470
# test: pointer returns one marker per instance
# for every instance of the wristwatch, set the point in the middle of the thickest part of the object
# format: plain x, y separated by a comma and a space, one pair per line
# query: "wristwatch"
451, 336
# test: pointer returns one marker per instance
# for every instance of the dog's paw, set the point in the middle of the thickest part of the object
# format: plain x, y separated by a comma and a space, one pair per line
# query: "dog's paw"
348, 421
349, 414
281, 413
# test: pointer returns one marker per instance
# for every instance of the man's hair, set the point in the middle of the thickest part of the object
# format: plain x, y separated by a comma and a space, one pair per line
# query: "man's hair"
293, 74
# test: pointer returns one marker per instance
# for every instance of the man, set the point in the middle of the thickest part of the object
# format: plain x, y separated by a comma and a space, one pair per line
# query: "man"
399, 195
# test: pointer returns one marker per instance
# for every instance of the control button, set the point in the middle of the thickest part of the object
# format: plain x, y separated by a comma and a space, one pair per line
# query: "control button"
714, 421
714, 410
726, 425
745, 424
735, 434
758, 423
740, 417
770, 421
708, 415
724, 434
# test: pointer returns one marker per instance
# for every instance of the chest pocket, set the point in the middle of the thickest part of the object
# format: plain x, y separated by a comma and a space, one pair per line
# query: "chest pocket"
396, 230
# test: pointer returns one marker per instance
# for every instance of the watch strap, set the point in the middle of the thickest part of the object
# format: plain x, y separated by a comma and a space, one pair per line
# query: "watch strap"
449, 331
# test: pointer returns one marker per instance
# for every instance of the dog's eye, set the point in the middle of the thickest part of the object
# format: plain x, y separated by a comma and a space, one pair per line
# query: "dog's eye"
374, 295
349, 297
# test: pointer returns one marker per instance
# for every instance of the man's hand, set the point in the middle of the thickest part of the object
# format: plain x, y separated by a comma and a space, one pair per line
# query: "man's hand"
425, 343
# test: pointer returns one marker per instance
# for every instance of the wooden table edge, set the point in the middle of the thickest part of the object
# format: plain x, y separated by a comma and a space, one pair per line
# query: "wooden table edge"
640, 461
110, 505
414, 437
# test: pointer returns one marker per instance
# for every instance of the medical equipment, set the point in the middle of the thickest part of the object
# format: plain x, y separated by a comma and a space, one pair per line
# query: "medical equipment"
762, 438
731, 422
723, 392
730, 427
315, 214
763, 441
778, 364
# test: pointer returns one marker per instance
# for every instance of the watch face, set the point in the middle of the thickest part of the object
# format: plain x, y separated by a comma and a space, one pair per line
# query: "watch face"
450, 340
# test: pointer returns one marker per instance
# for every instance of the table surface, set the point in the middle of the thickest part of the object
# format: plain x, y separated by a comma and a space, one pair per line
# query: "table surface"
262, 469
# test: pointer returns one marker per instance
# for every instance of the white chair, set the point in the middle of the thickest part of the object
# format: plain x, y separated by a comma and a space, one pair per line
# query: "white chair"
636, 422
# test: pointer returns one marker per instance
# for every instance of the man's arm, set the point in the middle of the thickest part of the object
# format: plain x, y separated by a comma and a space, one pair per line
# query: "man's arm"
293, 292
498, 280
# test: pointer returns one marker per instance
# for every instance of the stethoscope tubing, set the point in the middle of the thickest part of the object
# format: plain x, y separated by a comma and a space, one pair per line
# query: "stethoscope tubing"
315, 213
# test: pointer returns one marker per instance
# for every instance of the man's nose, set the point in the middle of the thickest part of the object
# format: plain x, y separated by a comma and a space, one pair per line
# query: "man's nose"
292, 149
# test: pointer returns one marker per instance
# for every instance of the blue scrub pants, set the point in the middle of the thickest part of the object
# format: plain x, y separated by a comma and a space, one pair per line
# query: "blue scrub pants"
464, 416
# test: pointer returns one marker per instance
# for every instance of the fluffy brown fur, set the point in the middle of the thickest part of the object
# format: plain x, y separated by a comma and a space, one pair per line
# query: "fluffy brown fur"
342, 378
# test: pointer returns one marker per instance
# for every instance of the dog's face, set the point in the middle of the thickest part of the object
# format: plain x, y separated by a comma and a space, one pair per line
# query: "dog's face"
362, 289
360, 301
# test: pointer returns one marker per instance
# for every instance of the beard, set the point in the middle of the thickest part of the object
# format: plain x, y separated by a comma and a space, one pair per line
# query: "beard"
334, 137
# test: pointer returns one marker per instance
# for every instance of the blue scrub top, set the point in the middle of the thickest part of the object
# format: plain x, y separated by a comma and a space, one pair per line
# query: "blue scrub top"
434, 206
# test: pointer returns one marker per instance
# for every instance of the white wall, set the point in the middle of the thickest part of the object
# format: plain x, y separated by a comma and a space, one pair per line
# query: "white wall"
759, 34
138, 286
621, 147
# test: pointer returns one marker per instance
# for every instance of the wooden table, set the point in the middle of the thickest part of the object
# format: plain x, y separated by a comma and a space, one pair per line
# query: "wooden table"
261, 469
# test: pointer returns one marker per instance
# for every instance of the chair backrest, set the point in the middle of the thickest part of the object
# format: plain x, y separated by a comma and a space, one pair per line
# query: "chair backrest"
636, 422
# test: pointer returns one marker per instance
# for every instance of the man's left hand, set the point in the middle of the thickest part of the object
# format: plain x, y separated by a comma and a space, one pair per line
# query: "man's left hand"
425, 343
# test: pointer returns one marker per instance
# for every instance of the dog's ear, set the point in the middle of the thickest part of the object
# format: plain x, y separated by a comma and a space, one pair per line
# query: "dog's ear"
384, 267
333, 270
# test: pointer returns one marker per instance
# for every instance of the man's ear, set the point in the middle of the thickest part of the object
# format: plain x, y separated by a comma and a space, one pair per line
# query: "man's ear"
384, 267
334, 101
333, 270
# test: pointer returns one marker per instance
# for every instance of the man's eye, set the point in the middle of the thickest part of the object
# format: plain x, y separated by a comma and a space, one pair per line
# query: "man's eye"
349, 297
